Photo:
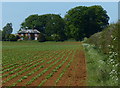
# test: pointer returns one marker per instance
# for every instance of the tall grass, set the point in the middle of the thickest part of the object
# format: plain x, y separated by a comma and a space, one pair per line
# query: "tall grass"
97, 70
106, 42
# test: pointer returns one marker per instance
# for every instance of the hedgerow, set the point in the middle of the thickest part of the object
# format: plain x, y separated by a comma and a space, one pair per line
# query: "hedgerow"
108, 42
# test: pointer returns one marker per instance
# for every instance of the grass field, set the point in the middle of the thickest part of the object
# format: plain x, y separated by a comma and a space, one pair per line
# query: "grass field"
43, 64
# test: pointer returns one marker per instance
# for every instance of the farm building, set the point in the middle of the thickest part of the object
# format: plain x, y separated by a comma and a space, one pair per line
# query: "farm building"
30, 34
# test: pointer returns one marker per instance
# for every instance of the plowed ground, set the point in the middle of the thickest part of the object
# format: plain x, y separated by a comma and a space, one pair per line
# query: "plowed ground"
48, 55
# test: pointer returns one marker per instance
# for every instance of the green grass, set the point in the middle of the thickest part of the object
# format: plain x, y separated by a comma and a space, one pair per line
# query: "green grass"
98, 70
108, 42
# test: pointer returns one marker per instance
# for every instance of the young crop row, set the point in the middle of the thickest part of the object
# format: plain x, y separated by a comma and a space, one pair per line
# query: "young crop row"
67, 66
26, 60
21, 57
55, 70
22, 64
14, 53
27, 65
35, 64
9, 59
21, 72
45, 70
33, 71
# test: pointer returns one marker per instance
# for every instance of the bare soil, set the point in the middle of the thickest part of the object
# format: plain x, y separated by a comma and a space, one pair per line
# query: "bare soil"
75, 75
15, 79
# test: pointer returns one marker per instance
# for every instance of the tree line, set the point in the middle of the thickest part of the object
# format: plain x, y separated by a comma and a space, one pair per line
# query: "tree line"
6, 33
79, 22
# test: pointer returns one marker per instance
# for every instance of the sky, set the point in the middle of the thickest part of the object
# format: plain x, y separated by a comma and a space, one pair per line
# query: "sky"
16, 12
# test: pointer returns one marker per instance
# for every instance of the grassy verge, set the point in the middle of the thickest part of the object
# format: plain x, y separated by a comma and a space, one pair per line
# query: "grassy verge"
98, 69
108, 42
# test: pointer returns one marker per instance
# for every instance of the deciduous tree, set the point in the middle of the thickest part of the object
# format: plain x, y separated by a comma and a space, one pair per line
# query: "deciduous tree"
6, 31
84, 21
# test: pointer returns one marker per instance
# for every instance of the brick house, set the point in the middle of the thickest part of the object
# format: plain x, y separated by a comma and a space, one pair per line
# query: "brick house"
31, 34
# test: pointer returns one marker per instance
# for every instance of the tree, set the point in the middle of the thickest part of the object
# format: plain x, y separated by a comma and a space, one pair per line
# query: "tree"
47, 24
41, 37
30, 22
55, 37
84, 21
12, 37
55, 25
7, 30
97, 20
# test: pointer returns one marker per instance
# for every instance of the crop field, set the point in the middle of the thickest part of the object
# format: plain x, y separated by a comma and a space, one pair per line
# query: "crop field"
43, 64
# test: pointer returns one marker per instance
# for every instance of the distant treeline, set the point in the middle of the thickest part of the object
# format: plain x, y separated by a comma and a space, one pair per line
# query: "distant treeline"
79, 22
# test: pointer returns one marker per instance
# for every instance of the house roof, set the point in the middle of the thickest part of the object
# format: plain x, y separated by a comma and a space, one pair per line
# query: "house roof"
28, 31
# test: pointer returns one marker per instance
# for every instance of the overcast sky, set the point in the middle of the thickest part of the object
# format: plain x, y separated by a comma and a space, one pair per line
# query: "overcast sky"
16, 12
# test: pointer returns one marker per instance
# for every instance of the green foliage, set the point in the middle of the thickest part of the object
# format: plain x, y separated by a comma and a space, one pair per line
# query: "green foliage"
12, 37
79, 22
30, 22
84, 21
25, 37
15, 60
49, 38
49, 75
55, 24
108, 42
5, 37
97, 67
41, 37
24, 77
55, 37
6, 31
8, 28
107, 38
48, 24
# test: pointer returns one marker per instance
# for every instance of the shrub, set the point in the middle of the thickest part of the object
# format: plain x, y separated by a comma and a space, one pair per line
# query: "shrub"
41, 37
97, 65
12, 37
49, 38
108, 42
55, 37
26, 38
6, 37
